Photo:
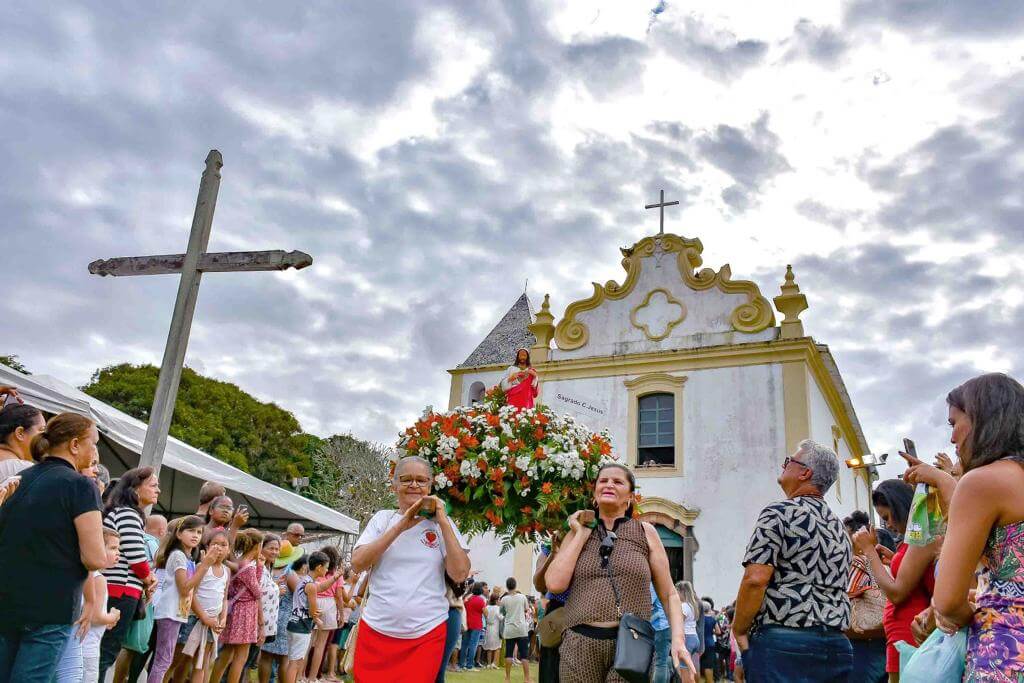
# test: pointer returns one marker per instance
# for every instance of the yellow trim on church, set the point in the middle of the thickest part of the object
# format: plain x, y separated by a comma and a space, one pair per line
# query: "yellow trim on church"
753, 316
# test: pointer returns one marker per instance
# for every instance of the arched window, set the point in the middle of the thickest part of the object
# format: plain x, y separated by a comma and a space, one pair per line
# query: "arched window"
656, 430
476, 392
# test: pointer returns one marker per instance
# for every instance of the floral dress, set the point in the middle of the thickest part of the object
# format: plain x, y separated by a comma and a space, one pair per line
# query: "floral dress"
244, 597
279, 646
995, 644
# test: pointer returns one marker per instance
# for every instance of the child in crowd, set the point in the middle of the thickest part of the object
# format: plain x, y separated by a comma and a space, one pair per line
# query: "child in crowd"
173, 601
101, 618
326, 602
305, 613
197, 641
245, 618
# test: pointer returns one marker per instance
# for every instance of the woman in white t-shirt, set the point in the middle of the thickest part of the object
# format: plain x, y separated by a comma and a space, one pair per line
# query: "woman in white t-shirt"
403, 624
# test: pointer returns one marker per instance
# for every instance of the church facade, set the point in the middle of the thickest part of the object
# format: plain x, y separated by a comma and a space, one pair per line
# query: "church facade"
703, 392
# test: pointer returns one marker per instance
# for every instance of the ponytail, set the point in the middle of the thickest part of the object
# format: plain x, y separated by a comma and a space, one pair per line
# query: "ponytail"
60, 430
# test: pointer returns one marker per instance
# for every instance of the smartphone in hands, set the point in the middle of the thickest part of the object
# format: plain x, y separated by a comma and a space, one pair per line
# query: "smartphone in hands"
909, 448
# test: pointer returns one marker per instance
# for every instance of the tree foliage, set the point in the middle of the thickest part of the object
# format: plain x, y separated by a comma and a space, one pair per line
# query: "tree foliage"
353, 476
13, 363
216, 417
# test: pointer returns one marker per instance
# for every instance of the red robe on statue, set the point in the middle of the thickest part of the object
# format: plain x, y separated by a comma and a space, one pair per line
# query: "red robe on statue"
521, 395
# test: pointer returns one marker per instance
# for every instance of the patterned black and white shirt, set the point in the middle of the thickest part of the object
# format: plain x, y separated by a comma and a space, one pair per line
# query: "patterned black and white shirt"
806, 544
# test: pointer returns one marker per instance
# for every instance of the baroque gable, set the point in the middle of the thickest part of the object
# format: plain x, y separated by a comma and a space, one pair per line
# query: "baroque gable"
666, 301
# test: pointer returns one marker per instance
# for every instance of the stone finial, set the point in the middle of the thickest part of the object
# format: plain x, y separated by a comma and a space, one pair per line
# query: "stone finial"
543, 328
791, 303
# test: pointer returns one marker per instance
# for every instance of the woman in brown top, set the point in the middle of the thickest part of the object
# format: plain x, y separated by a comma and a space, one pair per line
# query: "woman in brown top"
633, 552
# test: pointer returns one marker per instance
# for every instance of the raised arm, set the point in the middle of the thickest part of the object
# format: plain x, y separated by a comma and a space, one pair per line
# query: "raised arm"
559, 572
915, 562
366, 555
456, 559
974, 510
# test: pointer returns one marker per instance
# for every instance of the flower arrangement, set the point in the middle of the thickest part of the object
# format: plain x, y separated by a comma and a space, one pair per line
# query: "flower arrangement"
518, 473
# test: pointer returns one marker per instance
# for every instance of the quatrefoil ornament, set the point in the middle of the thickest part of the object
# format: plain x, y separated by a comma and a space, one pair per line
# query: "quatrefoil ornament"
657, 314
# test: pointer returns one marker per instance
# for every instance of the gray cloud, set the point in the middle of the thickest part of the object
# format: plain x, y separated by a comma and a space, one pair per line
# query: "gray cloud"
717, 53
821, 44
750, 157
978, 18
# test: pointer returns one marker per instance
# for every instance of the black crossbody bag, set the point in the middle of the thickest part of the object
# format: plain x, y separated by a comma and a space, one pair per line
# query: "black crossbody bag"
634, 643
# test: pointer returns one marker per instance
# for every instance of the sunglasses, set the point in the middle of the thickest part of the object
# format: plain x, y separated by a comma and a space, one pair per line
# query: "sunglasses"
605, 549
785, 463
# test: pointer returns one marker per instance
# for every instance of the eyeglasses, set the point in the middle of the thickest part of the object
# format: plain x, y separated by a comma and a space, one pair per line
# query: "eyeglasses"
606, 547
785, 463
420, 482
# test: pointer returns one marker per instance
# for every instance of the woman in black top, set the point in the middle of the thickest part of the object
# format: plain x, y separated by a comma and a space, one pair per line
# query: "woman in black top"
50, 538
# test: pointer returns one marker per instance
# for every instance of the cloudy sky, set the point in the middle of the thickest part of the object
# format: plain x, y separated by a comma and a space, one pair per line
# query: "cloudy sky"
433, 156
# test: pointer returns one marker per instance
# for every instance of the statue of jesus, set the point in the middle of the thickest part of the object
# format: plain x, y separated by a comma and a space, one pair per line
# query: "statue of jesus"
520, 383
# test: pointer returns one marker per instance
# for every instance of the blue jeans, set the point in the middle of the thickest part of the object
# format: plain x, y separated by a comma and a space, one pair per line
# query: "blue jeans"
868, 661
69, 666
467, 655
29, 654
661, 668
778, 654
451, 640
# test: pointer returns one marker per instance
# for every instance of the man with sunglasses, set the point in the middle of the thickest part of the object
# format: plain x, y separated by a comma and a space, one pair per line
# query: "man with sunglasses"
792, 606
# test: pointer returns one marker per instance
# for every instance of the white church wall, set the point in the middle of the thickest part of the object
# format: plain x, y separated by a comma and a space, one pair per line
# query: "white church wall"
705, 317
733, 445
843, 497
493, 567
487, 379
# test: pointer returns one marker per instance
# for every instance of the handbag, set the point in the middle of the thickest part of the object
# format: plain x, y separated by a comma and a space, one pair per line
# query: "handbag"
551, 628
137, 638
634, 643
867, 610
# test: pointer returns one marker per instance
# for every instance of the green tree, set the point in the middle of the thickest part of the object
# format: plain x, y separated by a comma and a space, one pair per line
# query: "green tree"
352, 476
216, 417
13, 363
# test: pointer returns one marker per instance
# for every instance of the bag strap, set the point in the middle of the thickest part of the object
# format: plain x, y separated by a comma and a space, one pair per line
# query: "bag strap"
611, 578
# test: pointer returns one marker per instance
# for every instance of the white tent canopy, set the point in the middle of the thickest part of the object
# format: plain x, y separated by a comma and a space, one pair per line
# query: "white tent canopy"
184, 468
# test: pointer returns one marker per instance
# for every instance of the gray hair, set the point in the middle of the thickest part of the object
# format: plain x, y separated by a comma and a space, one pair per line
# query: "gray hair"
822, 461
409, 459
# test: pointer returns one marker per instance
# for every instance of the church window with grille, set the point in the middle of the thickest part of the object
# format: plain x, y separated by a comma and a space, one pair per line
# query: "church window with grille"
656, 431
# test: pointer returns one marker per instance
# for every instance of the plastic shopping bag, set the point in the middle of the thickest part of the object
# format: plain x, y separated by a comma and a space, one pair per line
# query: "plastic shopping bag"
925, 521
940, 659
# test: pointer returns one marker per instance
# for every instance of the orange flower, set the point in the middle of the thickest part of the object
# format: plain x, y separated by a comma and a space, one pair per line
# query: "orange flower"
539, 454
538, 433
514, 445
497, 474
526, 510
493, 518
412, 446
470, 441
482, 464
499, 502
493, 420
546, 487
543, 419
553, 506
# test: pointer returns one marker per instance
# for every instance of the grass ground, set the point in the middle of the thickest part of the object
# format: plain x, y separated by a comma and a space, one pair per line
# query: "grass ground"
492, 675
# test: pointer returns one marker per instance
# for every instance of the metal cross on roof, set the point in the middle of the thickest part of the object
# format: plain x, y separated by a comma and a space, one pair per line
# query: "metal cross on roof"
661, 206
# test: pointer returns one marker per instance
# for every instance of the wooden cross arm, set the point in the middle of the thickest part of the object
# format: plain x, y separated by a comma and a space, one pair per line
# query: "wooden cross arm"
222, 262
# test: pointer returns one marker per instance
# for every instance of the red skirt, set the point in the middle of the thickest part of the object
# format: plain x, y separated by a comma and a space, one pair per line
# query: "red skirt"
383, 659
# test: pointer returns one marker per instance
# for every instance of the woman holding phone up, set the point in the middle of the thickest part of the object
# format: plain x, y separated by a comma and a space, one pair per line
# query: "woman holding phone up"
408, 551
909, 581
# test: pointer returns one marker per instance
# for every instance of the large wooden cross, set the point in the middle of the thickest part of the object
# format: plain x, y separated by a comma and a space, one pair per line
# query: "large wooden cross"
190, 266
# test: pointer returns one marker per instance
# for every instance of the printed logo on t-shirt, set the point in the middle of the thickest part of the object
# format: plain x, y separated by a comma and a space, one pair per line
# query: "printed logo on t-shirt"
429, 538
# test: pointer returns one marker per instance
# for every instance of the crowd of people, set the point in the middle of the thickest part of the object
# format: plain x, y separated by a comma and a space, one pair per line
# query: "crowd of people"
90, 582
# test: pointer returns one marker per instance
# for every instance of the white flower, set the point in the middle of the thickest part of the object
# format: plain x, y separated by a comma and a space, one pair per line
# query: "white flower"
490, 443
424, 452
442, 481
